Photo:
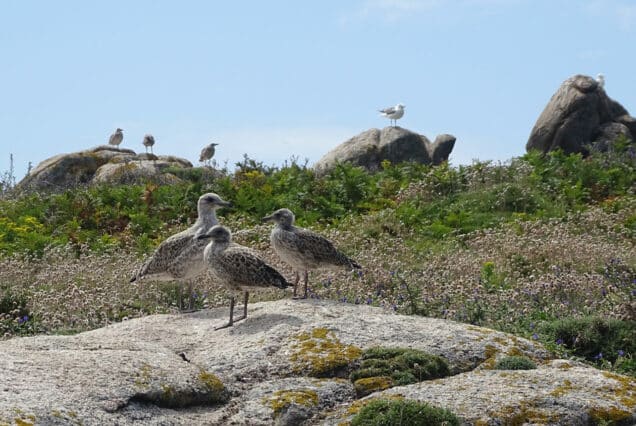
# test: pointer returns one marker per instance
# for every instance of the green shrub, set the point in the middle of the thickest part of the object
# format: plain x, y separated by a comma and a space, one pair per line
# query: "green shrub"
381, 412
515, 363
593, 338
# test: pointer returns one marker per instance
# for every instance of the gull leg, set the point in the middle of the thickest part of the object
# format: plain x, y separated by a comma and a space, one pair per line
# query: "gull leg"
229, 324
296, 284
247, 295
306, 281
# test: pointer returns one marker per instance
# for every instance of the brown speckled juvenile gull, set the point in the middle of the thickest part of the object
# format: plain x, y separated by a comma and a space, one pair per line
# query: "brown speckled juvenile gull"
237, 267
116, 138
207, 153
148, 142
303, 249
180, 257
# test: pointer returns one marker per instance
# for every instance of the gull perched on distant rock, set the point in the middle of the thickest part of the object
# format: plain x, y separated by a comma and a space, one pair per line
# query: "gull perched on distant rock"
393, 113
148, 142
237, 267
180, 257
303, 249
116, 138
600, 79
207, 153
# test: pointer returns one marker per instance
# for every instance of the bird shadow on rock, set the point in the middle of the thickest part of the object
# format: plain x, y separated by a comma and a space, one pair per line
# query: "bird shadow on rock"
265, 322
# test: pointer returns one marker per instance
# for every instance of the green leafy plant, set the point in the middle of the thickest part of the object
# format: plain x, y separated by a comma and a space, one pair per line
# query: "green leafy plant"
383, 412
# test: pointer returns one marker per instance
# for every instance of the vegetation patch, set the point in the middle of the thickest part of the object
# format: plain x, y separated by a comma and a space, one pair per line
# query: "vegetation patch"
282, 399
596, 339
515, 363
382, 368
319, 353
382, 412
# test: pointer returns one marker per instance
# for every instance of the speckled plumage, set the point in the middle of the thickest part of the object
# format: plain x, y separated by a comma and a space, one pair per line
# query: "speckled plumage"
180, 257
238, 267
207, 153
148, 142
116, 138
303, 249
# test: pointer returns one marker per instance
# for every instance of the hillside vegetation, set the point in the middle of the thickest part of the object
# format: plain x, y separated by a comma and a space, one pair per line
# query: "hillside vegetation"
541, 246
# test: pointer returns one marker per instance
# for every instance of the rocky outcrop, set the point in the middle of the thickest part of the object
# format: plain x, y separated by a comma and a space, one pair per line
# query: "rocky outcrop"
579, 117
288, 364
395, 144
102, 164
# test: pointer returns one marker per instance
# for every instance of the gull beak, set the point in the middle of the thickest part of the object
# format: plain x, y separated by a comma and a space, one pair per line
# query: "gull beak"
267, 218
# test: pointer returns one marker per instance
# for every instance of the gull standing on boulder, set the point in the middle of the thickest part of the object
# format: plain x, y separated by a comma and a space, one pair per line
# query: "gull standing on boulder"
303, 249
148, 142
207, 153
237, 267
180, 257
600, 79
116, 138
393, 113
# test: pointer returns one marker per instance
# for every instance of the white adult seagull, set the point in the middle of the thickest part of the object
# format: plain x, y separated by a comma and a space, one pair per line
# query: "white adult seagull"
600, 79
393, 113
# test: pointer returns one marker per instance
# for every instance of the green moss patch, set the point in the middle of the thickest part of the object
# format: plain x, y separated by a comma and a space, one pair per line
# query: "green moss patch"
382, 368
320, 353
382, 412
515, 363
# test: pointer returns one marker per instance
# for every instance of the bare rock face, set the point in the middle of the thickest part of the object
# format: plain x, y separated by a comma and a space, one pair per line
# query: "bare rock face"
395, 144
102, 164
580, 115
287, 364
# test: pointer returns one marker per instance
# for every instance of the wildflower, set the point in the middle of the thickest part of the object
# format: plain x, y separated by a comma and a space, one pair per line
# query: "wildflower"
599, 356
535, 336
531, 326
621, 352
603, 292
23, 319
559, 342
369, 300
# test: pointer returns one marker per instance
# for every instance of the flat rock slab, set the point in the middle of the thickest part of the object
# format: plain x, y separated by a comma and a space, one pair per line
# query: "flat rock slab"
176, 369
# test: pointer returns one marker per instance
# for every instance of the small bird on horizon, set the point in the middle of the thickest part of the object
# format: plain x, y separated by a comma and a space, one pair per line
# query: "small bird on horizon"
148, 142
600, 79
207, 153
393, 113
237, 267
303, 249
116, 138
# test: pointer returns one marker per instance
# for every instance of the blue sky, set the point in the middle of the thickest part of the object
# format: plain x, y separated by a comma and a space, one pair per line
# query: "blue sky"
275, 79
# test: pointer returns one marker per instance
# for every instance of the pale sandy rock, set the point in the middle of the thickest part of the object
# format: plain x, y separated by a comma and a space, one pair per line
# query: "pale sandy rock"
140, 371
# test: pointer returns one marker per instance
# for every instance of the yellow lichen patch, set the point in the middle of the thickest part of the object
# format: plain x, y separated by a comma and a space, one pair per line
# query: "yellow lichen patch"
21, 422
480, 329
490, 352
320, 353
369, 385
562, 389
211, 382
514, 351
564, 366
284, 398
525, 412
626, 391
608, 414
143, 376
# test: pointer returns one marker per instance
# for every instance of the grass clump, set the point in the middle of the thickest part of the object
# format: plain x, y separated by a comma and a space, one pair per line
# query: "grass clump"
382, 368
515, 363
381, 412
599, 340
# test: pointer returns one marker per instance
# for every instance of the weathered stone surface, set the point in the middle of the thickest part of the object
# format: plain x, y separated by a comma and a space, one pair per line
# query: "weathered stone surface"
132, 372
580, 115
102, 164
398, 145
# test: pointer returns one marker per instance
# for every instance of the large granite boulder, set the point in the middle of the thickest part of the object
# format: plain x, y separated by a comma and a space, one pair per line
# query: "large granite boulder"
286, 364
102, 164
579, 117
395, 144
